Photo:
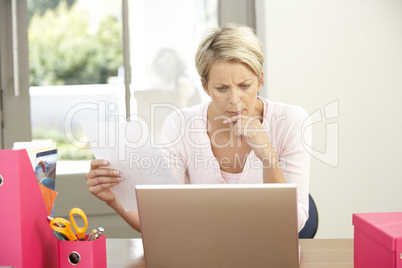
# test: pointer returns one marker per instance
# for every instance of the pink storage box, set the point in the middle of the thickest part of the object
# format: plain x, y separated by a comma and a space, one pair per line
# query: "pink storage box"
86, 254
26, 239
378, 240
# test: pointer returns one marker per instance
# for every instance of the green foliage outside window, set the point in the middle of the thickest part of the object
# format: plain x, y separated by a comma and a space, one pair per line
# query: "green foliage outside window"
41, 6
65, 49
63, 52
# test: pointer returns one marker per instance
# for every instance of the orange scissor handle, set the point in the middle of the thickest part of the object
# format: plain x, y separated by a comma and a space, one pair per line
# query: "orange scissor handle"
66, 230
79, 230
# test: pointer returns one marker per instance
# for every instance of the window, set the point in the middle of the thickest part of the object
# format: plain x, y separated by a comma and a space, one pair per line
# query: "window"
76, 66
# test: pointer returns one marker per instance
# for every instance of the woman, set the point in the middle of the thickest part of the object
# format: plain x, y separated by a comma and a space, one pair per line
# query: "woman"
237, 137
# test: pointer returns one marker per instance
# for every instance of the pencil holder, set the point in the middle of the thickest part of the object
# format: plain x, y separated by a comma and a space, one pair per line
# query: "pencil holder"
83, 253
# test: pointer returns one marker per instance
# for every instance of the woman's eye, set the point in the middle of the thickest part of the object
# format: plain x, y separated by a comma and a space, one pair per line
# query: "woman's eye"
245, 86
220, 88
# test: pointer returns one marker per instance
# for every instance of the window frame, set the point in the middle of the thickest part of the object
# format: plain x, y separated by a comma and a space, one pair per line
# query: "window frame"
15, 108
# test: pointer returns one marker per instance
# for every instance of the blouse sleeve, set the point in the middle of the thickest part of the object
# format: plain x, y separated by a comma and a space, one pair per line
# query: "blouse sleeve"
171, 147
295, 158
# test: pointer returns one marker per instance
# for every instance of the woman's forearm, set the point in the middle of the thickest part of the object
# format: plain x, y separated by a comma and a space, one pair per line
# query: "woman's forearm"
131, 217
272, 171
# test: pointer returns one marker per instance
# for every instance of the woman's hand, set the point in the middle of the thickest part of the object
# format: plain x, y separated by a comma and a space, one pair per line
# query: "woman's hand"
254, 133
100, 179
256, 137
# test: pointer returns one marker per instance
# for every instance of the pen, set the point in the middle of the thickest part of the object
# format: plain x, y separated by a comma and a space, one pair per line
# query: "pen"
99, 233
96, 233
92, 235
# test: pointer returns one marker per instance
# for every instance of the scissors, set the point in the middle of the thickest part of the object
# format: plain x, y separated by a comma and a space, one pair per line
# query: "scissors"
67, 230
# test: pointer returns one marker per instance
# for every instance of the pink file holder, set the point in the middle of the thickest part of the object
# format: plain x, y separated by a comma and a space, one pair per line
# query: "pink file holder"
89, 254
26, 239
378, 240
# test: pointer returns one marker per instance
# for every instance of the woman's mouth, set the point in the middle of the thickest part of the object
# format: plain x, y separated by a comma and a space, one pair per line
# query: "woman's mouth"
234, 113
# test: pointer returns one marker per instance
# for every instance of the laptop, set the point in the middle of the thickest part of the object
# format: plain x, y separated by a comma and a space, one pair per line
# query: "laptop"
231, 225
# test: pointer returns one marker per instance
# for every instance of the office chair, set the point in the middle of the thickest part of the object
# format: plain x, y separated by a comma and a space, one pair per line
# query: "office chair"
310, 229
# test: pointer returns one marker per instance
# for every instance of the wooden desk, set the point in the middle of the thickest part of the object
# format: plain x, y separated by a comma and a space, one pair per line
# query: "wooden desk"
328, 253
315, 253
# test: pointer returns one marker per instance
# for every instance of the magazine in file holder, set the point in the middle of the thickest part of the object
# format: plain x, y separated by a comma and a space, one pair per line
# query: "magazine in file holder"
26, 238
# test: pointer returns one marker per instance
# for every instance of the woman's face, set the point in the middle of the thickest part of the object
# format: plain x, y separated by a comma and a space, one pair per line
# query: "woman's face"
233, 89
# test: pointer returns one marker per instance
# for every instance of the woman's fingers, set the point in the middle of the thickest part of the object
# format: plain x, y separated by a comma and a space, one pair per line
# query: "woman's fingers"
104, 172
252, 130
103, 180
97, 169
100, 179
97, 189
243, 125
96, 163
99, 175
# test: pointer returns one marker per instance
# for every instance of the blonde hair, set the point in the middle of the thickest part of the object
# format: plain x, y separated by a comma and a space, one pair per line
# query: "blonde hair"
232, 42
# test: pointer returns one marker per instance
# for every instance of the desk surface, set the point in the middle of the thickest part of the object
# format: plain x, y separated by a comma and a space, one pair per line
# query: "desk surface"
329, 253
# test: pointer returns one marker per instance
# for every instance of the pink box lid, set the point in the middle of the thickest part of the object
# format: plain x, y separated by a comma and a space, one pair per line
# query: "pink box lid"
384, 227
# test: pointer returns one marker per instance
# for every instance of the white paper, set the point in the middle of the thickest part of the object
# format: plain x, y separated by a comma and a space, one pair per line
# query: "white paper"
126, 145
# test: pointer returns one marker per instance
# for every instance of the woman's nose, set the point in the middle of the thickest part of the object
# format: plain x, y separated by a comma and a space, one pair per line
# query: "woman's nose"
234, 97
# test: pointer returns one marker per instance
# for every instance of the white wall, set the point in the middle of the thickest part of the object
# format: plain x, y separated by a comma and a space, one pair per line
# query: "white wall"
349, 53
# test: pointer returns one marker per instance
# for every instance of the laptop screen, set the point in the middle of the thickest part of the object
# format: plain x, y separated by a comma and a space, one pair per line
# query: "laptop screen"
247, 225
